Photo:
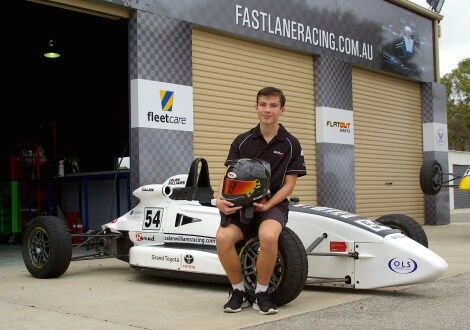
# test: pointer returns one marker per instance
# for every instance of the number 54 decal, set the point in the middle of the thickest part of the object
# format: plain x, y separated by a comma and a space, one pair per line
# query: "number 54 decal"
153, 218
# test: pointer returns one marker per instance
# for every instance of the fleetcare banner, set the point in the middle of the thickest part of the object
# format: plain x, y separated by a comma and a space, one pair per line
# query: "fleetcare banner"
370, 33
156, 104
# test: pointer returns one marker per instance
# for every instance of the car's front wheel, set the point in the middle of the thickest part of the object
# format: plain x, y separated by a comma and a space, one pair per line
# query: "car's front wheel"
290, 272
47, 247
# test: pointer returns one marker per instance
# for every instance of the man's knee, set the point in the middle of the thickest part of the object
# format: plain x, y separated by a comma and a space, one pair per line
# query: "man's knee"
269, 233
268, 238
227, 236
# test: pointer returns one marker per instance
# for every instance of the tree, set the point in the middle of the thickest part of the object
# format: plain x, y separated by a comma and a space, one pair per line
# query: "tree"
457, 84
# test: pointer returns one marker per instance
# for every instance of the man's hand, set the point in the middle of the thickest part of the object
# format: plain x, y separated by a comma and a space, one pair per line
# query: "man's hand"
226, 207
261, 207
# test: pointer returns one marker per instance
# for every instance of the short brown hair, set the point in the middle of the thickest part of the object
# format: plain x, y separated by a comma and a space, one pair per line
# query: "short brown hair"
272, 91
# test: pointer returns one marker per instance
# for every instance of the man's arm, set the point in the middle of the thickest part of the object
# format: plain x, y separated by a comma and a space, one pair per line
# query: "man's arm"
285, 191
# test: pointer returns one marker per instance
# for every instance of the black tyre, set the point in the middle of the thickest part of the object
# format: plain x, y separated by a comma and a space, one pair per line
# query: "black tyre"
47, 247
290, 272
407, 225
430, 177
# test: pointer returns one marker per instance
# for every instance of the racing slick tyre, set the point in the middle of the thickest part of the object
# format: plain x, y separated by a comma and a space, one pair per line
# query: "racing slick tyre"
47, 247
430, 177
407, 225
290, 272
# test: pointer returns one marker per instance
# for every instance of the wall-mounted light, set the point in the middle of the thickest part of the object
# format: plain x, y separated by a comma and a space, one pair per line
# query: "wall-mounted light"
51, 51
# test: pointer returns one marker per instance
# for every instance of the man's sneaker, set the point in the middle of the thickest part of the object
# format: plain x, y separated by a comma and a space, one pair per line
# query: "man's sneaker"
264, 304
237, 300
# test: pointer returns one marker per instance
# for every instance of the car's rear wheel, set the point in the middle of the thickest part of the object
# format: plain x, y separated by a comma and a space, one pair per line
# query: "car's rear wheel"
407, 225
430, 177
47, 247
290, 272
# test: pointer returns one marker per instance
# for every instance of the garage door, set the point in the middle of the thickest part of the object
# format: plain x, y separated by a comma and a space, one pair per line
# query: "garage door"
227, 74
461, 197
388, 145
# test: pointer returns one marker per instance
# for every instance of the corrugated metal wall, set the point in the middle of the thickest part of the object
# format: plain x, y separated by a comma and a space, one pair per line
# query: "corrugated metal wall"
227, 74
388, 145
461, 197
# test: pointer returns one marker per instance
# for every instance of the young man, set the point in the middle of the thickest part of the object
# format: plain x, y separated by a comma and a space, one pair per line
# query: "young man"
271, 142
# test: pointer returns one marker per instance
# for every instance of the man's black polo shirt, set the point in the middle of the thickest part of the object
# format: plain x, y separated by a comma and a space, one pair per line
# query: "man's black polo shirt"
283, 153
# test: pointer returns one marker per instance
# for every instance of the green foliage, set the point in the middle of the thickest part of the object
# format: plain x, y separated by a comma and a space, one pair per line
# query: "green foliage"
457, 84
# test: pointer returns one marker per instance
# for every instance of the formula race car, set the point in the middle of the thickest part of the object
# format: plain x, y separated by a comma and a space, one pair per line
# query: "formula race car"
171, 232
431, 178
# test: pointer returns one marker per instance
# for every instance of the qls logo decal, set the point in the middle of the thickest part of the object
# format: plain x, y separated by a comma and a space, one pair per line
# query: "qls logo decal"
403, 265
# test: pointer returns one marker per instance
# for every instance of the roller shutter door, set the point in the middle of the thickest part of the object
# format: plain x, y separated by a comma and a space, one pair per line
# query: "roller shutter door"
388, 145
461, 197
227, 74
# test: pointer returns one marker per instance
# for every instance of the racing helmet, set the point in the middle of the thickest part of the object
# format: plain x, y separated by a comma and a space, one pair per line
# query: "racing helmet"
246, 181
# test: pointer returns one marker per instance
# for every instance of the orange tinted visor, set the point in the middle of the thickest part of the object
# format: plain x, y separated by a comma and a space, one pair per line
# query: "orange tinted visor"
239, 187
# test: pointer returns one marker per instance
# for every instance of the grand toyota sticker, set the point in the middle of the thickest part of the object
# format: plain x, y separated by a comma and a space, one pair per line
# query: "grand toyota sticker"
188, 261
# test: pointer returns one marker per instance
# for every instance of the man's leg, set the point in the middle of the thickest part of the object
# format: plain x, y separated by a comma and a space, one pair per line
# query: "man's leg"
226, 239
268, 233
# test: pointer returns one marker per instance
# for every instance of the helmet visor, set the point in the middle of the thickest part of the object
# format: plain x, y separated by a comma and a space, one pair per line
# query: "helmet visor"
234, 187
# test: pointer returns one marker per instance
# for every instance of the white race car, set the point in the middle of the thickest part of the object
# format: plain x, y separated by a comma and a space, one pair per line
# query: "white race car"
171, 232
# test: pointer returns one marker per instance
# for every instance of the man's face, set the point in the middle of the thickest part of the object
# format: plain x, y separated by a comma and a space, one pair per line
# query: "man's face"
269, 109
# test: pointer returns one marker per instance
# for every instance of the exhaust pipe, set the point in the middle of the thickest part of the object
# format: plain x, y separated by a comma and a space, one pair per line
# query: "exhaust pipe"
167, 190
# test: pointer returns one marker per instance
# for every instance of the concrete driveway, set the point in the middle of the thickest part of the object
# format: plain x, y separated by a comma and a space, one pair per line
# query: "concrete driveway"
107, 294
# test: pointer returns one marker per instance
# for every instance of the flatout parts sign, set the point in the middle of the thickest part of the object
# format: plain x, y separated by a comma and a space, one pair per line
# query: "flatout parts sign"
161, 105
370, 33
334, 125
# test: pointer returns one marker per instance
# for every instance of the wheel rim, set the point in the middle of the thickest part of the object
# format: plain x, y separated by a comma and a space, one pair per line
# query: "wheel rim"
436, 177
38, 247
248, 257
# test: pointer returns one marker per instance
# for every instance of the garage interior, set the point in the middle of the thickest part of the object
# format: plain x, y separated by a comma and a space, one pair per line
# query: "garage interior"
72, 110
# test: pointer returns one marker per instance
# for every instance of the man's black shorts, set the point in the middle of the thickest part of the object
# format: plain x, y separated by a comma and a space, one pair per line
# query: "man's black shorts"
275, 213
